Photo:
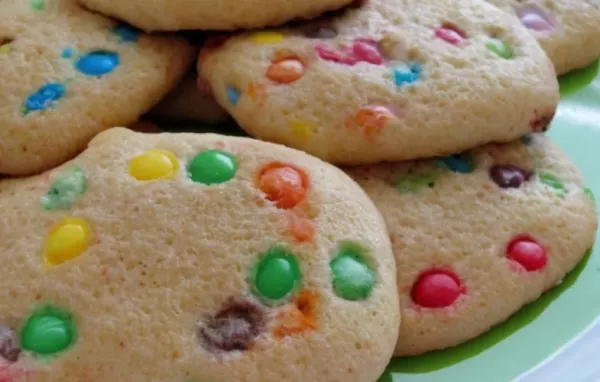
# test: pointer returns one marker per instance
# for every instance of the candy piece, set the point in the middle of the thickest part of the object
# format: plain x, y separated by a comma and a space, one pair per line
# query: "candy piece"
9, 344
234, 327
97, 63
367, 50
415, 182
540, 124
501, 48
509, 176
283, 184
276, 275
154, 165
361, 50
406, 74
534, 18
299, 318
127, 33
552, 182
527, 252
48, 331
302, 130
38, 5
352, 277
233, 95
590, 194
267, 37
67, 53
436, 288
65, 189
285, 71
67, 240
461, 163
44, 97
329, 54
451, 34
373, 119
212, 167
301, 228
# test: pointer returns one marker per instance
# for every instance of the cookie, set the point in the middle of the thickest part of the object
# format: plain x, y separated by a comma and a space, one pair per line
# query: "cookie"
190, 101
568, 30
194, 257
68, 74
393, 80
478, 235
170, 15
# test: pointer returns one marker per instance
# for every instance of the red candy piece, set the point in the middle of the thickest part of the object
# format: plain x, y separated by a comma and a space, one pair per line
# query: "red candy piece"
436, 288
527, 252
451, 34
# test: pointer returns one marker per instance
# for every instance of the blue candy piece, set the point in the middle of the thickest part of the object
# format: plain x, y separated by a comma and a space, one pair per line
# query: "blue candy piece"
233, 96
97, 63
457, 163
44, 97
67, 53
127, 33
406, 74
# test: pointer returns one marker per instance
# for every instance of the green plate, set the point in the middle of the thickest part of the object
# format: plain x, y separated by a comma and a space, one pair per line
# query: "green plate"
543, 328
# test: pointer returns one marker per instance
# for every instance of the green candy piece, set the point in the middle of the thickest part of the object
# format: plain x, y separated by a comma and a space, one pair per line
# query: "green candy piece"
414, 182
48, 331
212, 167
65, 190
38, 5
353, 278
588, 191
552, 182
501, 48
276, 275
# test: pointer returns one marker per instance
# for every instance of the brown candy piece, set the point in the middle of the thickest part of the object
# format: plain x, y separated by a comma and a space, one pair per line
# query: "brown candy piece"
9, 344
509, 176
234, 327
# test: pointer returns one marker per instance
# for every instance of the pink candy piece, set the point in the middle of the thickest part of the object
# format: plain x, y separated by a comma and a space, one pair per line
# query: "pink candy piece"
451, 34
362, 50
367, 51
535, 19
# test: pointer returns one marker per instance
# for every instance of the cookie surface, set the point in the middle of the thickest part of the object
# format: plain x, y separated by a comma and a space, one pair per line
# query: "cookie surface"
190, 101
175, 15
189, 257
392, 80
478, 236
568, 30
68, 74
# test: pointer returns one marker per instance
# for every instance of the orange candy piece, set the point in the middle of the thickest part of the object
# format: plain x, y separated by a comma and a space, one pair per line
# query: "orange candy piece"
283, 184
300, 318
373, 118
301, 228
285, 71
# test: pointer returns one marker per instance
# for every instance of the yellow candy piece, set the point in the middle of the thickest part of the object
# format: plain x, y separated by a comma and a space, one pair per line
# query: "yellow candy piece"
153, 165
4, 49
302, 130
267, 37
67, 240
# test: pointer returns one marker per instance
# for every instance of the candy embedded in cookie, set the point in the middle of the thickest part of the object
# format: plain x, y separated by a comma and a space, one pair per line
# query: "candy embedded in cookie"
479, 235
569, 31
387, 80
201, 256
79, 73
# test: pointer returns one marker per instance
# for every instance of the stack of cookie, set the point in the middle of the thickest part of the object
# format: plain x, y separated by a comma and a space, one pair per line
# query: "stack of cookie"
416, 182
